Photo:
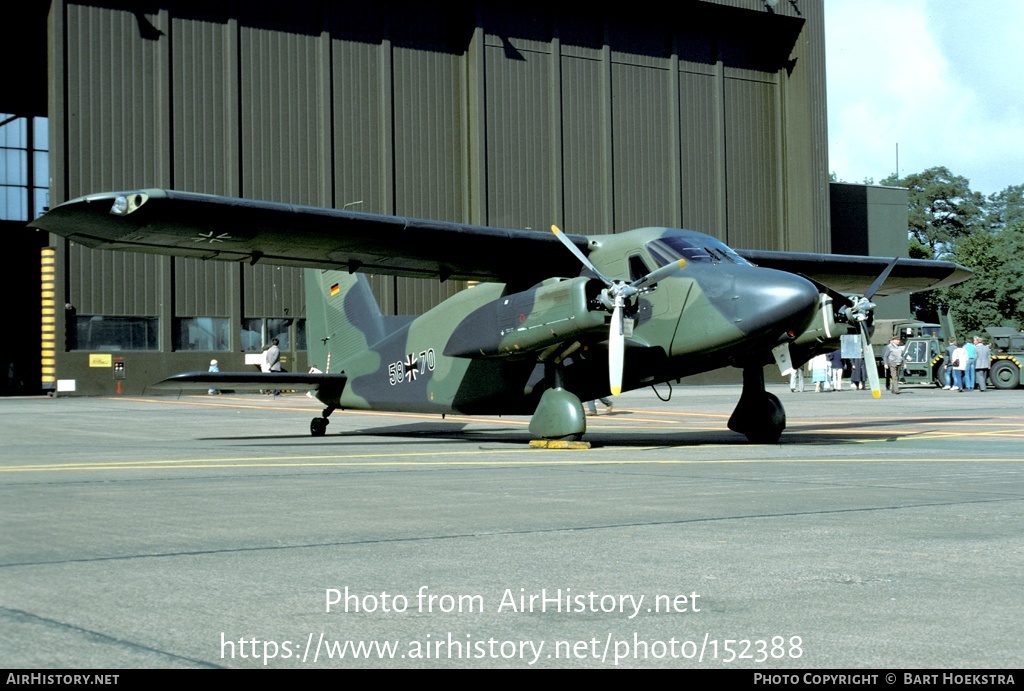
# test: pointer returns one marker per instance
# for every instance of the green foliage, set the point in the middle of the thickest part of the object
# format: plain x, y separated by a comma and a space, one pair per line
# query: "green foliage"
942, 209
1005, 208
994, 296
948, 220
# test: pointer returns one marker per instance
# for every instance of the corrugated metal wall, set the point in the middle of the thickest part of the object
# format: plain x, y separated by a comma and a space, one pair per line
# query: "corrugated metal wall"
516, 117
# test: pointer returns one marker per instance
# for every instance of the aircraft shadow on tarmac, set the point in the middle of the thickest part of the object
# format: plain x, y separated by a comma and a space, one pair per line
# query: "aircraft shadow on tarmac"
811, 433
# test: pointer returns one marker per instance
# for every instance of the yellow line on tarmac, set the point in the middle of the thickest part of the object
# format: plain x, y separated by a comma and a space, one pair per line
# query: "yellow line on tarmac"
420, 460
315, 409
1014, 433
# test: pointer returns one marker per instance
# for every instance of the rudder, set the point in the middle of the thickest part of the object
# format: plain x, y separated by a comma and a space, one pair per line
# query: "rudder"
342, 317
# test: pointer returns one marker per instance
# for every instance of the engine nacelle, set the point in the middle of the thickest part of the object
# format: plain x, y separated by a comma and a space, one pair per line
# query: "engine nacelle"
551, 312
824, 326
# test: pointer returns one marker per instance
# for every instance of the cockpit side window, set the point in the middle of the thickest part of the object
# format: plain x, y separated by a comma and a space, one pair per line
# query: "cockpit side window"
637, 267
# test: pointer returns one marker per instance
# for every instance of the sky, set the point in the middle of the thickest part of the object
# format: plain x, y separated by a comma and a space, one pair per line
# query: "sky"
942, 79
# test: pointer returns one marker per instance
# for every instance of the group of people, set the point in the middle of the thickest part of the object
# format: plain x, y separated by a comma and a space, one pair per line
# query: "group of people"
966, 368
827, 372
967, 365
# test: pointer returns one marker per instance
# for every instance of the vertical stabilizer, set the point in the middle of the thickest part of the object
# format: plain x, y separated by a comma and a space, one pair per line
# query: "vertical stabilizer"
342, 317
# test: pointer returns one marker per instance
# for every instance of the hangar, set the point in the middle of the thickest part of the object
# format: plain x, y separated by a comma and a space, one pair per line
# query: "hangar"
516, 116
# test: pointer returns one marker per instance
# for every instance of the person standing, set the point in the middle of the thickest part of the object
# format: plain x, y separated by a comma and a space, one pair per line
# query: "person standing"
835, 359
796, 380
982, 362
213, 368
969, 371
947, 375
892, 358
273, 357
819, 372
858, 375
959, 365
272, 361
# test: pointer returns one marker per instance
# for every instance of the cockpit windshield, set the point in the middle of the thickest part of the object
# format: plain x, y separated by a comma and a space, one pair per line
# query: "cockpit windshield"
701, 249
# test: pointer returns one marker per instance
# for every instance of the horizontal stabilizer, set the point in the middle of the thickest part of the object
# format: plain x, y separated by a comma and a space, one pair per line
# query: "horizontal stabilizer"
253, 381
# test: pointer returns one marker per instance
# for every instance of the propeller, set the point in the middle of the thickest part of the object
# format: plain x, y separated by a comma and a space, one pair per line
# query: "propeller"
613, 297
860, 311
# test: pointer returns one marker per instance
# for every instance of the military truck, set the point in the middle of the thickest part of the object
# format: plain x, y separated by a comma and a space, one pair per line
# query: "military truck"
1007, 371
924, 348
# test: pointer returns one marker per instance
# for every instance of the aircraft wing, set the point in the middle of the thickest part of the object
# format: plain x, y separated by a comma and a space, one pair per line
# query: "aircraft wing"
853, 275
229, 229
253, 381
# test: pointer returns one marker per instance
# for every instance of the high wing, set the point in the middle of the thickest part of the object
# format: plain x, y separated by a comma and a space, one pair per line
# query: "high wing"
224, 228
230, 229
853, 275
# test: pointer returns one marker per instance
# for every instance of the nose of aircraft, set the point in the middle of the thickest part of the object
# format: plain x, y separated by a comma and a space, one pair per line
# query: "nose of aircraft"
770, 300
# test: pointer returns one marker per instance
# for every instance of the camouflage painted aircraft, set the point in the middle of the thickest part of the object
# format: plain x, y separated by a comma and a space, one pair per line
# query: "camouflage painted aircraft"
556, 320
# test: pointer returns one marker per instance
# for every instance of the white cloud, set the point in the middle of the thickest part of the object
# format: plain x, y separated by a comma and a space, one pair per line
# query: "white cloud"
944, 85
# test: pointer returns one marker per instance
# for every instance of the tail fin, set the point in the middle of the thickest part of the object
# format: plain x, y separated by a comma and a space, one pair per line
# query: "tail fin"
342, 317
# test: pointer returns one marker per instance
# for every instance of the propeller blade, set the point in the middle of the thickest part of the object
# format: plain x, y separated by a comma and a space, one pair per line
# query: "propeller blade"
579, 255
869, 361
616, 350
873, 288
659, 274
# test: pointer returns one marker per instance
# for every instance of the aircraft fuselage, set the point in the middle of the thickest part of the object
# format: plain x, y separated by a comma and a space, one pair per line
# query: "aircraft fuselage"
493, 350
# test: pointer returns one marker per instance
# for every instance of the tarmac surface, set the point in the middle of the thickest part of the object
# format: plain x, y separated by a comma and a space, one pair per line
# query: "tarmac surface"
213, 531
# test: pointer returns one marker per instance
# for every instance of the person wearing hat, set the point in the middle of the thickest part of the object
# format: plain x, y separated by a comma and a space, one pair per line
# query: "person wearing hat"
892, 358
213, 368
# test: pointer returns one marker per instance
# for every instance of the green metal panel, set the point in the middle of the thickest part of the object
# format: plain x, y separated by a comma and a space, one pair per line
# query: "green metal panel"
642, 123
519, 140
751, 155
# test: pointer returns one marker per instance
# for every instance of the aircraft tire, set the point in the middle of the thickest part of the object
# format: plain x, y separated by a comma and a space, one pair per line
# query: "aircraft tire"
318, 426
1004, 375
771, 421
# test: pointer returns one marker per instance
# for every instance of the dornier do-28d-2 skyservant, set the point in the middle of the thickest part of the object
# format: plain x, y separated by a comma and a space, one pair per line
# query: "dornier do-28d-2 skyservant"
557, 319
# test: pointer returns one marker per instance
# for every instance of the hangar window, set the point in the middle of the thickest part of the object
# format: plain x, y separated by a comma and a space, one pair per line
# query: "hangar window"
258, 332
24, 167
202, 333
117, 333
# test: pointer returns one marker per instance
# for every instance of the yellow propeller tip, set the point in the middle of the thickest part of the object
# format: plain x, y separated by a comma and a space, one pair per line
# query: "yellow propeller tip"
876, 394
616, 390
555, 230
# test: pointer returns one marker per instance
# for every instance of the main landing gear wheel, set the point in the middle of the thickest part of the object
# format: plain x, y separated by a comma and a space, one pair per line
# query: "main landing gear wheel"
318, 426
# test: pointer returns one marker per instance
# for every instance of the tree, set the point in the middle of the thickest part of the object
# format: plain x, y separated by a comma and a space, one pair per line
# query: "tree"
994, 296
942, 210
1006, 207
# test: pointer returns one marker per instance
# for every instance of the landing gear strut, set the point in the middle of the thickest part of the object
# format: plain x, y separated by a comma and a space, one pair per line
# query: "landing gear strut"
758, 414
559, 413
318, 425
